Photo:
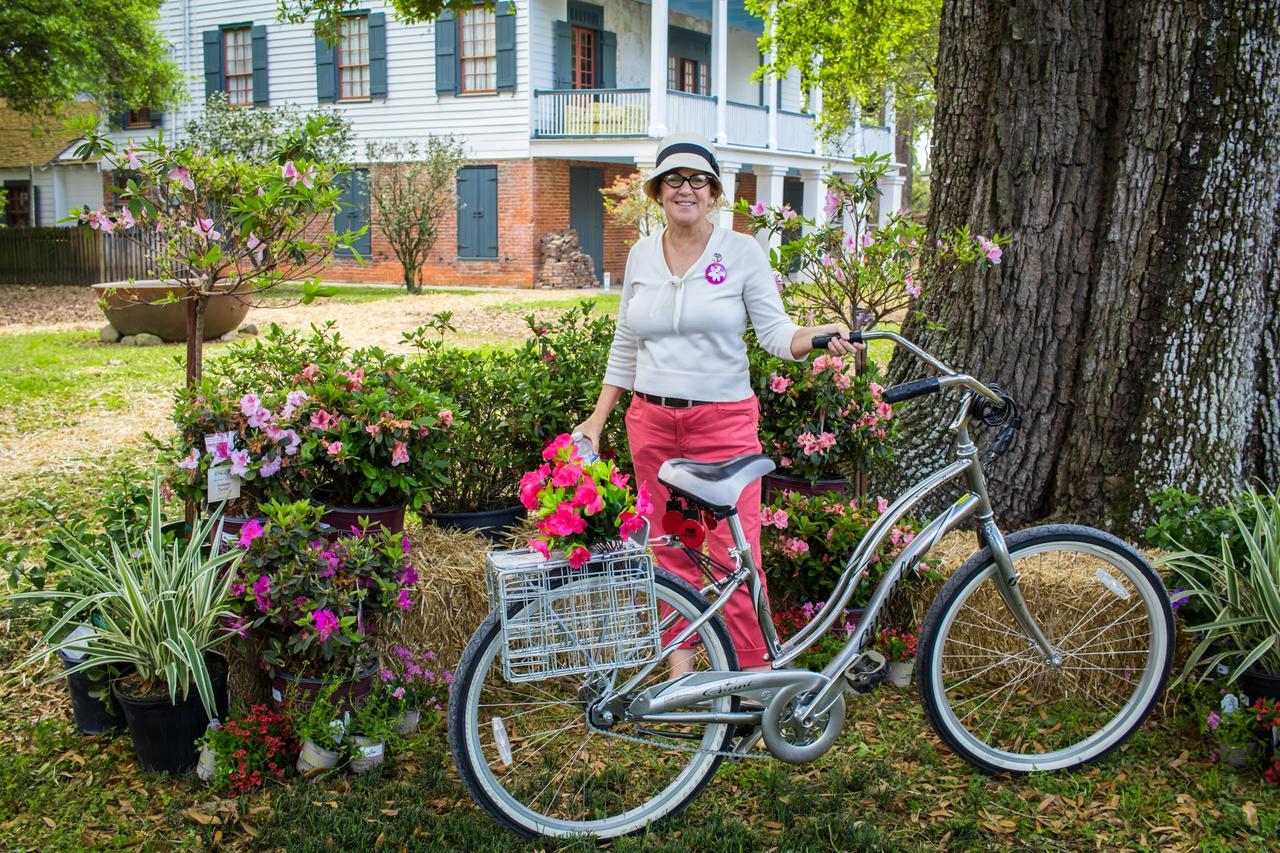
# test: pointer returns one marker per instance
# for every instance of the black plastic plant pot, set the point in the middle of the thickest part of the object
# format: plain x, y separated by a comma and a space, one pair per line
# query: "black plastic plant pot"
492, 523
1255, 683
164, 733
93, 706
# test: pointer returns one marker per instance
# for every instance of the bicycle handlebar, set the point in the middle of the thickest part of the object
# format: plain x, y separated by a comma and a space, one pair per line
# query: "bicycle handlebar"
911, 390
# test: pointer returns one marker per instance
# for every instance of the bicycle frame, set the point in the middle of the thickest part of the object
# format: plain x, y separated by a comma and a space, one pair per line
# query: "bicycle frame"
662, 702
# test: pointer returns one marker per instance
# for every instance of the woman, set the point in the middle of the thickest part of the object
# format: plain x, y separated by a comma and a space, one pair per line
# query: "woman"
687, 294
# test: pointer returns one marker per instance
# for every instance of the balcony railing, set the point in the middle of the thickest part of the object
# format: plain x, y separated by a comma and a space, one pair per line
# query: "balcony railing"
795, 131
748, 124
590, 112
688, 113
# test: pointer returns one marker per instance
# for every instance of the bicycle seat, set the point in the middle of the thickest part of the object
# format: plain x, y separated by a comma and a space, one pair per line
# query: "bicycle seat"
715, 485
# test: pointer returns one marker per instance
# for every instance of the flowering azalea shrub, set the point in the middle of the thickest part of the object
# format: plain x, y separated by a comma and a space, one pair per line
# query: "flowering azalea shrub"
416, 679
317, 594
312, 419
807, 540
788, 621
577, 505
896, 646
819, 419
251, 749
868, 273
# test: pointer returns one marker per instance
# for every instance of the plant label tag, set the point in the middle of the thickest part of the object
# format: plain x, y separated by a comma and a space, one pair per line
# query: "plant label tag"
220, 445
275, 695
371, 751
222, 486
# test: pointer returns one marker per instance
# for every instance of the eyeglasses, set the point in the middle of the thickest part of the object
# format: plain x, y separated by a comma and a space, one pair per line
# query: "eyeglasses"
675, 180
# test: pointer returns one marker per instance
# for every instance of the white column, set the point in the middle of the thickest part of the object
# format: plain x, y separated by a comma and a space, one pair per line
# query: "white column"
59, 193
720, 67
658, 68
815, 107
728, 183
815, 196
890, 196
769, 191
771, 90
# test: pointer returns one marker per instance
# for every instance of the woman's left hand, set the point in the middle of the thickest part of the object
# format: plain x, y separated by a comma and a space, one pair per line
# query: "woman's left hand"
802, 345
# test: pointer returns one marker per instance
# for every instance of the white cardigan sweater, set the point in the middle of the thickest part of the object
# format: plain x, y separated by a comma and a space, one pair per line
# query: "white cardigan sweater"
682, 336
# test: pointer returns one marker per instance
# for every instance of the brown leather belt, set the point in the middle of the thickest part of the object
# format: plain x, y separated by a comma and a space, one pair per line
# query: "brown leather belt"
672, 402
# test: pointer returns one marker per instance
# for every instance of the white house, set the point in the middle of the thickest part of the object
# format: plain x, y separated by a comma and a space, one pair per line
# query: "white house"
552, 98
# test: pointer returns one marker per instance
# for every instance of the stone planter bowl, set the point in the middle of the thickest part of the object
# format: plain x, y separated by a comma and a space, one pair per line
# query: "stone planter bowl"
128, 311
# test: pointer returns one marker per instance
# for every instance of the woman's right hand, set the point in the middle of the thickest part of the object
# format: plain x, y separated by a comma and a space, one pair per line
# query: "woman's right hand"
591, 430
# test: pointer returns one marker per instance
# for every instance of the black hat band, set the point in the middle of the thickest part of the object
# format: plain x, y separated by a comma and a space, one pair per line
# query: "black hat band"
690, 148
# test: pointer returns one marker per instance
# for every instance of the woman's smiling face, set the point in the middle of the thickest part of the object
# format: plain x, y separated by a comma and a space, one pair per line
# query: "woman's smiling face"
685, 205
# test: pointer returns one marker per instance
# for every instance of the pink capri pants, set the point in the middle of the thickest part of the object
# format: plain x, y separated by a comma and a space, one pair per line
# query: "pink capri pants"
712, 432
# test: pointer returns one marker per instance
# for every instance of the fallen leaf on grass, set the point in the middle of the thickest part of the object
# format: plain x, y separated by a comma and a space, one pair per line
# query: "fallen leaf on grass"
49, 822
202, 818
1250, 813
1181, 759
333, 804
391, 812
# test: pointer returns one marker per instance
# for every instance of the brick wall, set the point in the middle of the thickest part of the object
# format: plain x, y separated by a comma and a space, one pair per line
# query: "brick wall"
744, 187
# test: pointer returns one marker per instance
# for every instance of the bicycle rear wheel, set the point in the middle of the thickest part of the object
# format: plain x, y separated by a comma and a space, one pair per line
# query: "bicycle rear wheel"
988, 691
528, 757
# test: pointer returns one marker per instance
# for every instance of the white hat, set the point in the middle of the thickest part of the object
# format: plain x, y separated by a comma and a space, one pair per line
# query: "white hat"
682, 151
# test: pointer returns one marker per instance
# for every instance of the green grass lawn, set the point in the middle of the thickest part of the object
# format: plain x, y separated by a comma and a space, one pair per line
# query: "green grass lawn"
355, 293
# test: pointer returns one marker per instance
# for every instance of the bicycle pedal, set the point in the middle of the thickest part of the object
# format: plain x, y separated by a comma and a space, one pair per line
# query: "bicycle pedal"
866, 673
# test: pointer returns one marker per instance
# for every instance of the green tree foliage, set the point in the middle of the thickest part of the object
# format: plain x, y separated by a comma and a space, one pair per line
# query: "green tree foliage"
867, 47
274, 135
52, 51
327, 14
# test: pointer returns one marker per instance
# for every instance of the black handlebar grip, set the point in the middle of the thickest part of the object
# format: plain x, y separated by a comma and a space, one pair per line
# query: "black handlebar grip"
821, 341
911, 390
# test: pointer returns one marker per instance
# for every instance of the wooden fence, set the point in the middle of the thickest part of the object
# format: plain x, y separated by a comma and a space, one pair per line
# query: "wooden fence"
75, 255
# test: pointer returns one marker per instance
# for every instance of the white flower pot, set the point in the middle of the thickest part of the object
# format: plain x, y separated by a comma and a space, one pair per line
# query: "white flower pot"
207, 765
1239, 755
315, 760
900, 672
368, 754
409, 722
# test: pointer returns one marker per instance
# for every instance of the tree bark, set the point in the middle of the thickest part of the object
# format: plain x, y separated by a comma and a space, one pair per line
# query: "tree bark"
1129, 149
196, 305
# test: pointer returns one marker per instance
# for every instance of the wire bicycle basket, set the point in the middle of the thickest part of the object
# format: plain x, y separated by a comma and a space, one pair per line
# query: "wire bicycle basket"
557, 620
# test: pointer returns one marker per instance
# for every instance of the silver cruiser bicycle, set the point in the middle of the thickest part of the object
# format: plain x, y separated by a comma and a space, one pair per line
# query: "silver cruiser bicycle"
1046, 650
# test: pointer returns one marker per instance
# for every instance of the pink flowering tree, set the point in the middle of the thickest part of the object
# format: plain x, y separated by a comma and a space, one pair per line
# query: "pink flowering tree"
861, 274
213, 224
577, 505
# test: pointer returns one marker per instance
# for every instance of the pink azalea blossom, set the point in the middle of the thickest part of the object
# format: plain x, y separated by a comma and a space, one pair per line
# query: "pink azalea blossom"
579, 557
335, 448
770, 517
912, 288
563, 522
259, 418
310, 372
326, 624
297, 399
355, 378
566, 474
404, 602
104, 223
252, 242
882, 505
131, 158
398, 693
827, 260
294, 442
262, 191
757, 209
249, 404
794, 547
629, 522
587, 497
991, 250
541, 547
289, 172
262, 592
182, 175
192, 460
408, 576
867, 240
785, 461
850, 244
399, 454
644, 505
779, 384
250, 531
239, 462
618, 478
788, 213
271, 467
833, 203
876, 389
445, 416
531, 485
126, 219
323, 420
204, 230
552, 448
308, 177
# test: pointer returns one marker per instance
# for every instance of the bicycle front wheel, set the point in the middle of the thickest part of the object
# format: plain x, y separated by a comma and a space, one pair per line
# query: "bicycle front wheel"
990, 693
529, 757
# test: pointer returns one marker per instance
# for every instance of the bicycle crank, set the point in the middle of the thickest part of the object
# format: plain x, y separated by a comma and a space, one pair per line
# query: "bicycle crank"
790, 740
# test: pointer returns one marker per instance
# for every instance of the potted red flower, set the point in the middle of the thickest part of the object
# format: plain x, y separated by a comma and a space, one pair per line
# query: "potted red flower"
899, 649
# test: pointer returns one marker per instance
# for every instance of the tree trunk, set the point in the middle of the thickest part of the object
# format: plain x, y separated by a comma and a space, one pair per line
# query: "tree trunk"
904, 144
1129, 150
196, 305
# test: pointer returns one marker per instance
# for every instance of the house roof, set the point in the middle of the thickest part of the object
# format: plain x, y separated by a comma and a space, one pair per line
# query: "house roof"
27, 140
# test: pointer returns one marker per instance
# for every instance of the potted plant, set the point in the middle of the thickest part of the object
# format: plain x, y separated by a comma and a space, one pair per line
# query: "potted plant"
159, 610
317, 599
320, 724
899, 649
578, 506
244, 753
373, 723
416, 683
1235, 728
807, 538
1241, 594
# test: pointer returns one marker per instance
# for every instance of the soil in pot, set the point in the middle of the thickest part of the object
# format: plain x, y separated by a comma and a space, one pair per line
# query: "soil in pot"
93, 706
492, 523
164, 733
343, 518
301, 691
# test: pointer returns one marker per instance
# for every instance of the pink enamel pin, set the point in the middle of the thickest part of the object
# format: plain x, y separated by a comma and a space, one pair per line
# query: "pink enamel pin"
716, 272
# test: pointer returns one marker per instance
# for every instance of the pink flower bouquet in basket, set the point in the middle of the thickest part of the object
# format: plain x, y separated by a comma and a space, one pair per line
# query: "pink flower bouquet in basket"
578, 505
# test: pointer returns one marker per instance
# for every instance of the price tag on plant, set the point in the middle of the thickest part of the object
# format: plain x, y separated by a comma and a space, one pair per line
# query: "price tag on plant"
222, 485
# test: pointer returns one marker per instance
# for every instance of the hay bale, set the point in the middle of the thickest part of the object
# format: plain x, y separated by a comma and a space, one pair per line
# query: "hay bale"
451, 600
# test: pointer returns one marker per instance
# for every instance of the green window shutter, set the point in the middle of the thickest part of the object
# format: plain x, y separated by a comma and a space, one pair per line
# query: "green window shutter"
212, 62
354, 213
563, 55
446, 55
260, 92
487, 222
466, 206
378, 55
505, 37
35, 205
608, 60
119, 120
326, 71
157, 118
